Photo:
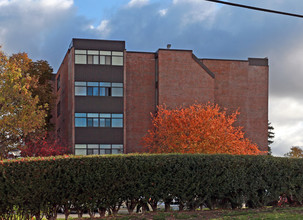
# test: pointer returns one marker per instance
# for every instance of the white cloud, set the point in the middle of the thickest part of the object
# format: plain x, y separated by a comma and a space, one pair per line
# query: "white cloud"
195, 11
286, 115
104, 28
163, 12
137, 3
4, 2
63, 4
42, 28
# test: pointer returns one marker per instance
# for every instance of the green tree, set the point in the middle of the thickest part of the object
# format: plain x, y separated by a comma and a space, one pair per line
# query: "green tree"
295, 152
42, 74
20, 112
270, 136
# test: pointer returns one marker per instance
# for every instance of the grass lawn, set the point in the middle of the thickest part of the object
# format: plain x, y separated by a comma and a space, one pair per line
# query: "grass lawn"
265, 213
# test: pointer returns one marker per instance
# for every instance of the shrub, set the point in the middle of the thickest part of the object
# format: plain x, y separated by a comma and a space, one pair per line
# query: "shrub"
36, 186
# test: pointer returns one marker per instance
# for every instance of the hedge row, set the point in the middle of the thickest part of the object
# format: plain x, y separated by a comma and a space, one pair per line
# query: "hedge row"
36, 187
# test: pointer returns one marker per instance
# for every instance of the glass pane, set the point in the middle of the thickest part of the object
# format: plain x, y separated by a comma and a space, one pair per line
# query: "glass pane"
105, 84
117, 61
92, 83
89, 122
92, 151
104, 91
107, 122
93, 146
105, 146
116, 151
80, 151
89, 91
93, 115
89, 59
80, 51
102, 60
117, 84
95, 122
94, 52
80, 83
80, 59
102, 122
80, 146
105, 115
81, 91
117, 146
96, 60
95, 91
107, 60
80, 114
117, 53
117, 123
102, 151
117, 115
107, 151
80, 122
118, 92
102, 52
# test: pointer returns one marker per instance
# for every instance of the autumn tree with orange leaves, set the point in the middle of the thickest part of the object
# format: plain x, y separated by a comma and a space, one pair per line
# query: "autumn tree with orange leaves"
197, 129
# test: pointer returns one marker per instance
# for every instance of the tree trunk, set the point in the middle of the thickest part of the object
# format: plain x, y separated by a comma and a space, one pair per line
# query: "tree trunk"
154, 205
131, 205
181, 206
91, 213
66, 213
102, 211
80, 213
167, 207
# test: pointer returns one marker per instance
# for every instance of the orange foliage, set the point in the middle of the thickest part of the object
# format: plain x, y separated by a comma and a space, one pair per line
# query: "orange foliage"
197, 129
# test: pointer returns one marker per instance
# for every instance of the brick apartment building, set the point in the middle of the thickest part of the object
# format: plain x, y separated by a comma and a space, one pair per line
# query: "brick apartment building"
105, 94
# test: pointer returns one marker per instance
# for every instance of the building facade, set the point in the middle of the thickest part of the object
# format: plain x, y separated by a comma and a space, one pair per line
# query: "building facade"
105, 94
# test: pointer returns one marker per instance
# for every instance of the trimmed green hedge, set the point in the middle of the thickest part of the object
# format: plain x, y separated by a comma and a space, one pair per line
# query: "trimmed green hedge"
36, 186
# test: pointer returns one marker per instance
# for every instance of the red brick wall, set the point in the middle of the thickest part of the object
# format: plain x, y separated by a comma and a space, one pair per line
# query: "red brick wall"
182, 81
239, 85
65, 96
139, 98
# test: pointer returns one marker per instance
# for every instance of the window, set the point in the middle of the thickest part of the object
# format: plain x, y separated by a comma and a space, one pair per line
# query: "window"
101, 57
92, 89
117, 120
98, 89
105, 89
92, 57
105, 57
80, 57
58, 83
93, 149
80, 89
59, 133
92, 120
117, 89
80, 149
117, 58
117, 148
58, 109
80, 120
89, 149
103, 120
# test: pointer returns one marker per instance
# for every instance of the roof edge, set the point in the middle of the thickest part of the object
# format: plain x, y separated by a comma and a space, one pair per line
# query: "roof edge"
203, 66
258, 61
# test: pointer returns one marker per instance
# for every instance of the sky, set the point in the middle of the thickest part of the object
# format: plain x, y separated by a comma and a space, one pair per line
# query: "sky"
45, 28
